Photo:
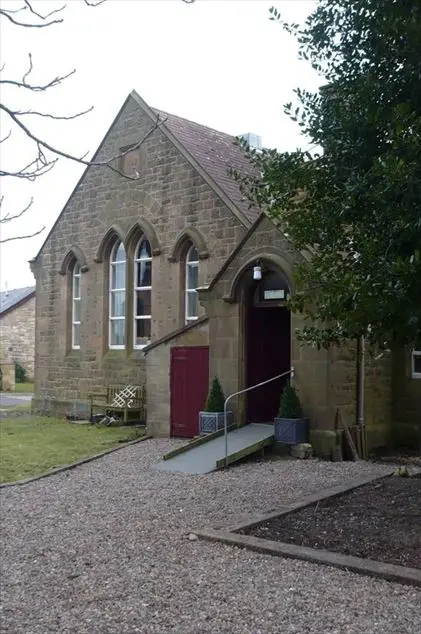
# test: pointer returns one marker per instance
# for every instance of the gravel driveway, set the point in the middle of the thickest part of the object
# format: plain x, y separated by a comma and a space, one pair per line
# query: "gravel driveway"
104, 549
9, 399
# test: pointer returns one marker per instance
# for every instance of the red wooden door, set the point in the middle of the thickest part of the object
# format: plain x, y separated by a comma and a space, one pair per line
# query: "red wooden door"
189, 389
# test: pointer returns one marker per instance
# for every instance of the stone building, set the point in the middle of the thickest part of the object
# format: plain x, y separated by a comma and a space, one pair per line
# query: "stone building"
147, 278
17, 327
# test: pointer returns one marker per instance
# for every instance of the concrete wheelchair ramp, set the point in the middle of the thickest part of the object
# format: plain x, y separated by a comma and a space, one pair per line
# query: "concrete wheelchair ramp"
210, 454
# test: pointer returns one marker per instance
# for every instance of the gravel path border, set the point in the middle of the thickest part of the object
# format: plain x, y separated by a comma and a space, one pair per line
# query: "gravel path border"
72, 465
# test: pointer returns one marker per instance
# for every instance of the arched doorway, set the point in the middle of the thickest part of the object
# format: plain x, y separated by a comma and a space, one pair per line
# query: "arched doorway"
267, 342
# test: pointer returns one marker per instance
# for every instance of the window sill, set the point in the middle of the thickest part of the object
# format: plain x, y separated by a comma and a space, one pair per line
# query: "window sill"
73, 352
137, 353
115, 353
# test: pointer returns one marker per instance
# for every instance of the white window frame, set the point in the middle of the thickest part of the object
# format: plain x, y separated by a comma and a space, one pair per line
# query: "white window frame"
188, 265
76, 275
112, 290
414, 374
136, 288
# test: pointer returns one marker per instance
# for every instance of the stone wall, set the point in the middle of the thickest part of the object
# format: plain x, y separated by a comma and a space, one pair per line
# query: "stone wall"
17, 327
377, 390
7, 377
158, 376
170, 196
406, 402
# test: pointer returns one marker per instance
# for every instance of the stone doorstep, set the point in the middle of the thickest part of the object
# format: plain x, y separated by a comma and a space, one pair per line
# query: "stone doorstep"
390, 572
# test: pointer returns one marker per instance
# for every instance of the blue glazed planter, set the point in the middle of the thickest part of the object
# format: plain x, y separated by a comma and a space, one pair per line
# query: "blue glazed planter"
291, 431
210, 422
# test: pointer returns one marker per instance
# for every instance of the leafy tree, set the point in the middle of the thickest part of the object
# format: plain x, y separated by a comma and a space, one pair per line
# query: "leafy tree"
355, 204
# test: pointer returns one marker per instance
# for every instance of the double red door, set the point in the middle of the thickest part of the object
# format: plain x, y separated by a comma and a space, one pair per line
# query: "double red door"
189, 380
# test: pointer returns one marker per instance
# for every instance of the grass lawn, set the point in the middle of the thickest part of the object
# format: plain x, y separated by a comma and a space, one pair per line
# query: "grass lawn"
26, 388
33, 445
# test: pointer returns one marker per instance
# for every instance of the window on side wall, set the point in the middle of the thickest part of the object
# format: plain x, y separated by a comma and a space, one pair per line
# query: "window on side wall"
416, 364
142, 294
191, 284
76, 307
117, 297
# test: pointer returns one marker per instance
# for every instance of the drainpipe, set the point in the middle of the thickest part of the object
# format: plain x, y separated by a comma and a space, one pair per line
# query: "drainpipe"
360, 381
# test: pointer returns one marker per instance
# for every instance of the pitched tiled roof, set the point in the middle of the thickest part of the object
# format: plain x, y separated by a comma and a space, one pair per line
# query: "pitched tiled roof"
9, 299
216, 153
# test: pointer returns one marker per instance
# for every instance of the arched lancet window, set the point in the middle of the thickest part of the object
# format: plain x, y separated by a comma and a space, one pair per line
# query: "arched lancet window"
191, 284
142, 294
76, 312
117, 297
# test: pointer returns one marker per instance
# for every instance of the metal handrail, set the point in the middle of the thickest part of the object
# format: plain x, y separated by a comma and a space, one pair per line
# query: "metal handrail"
247, 389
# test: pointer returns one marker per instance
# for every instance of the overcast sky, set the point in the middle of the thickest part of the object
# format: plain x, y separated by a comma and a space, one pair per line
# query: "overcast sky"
221, 63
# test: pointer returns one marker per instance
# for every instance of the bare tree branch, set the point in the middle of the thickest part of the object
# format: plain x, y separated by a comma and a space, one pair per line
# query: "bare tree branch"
43, 17
24, 237
8, 217
29, 71
8, 135
48, 115
31, 171
106, 163
32, 25
54, 82
16, 10
35, 88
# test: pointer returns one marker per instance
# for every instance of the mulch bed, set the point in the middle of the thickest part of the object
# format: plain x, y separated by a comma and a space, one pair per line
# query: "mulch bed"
380, 521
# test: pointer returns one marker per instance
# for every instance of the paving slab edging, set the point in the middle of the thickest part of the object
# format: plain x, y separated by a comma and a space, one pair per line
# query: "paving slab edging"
370, 567
390, 572
73, 465
307, 500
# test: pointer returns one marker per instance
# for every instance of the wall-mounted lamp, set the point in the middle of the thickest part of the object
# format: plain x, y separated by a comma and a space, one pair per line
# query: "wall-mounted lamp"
257, 272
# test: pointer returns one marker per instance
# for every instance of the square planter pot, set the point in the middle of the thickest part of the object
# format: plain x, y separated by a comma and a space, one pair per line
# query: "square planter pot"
291, 431
210, 422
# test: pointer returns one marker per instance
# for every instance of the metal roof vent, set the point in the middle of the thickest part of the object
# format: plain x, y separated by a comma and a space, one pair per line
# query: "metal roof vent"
253, 140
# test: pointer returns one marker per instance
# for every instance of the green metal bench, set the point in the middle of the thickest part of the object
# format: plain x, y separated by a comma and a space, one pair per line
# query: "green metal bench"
126, 400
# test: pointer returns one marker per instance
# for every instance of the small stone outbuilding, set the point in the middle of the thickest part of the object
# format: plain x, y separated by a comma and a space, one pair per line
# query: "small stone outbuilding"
17, 328
148, 280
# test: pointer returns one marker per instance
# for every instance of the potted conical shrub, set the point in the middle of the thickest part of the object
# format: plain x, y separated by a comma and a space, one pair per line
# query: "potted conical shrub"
291, 427
212, 418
